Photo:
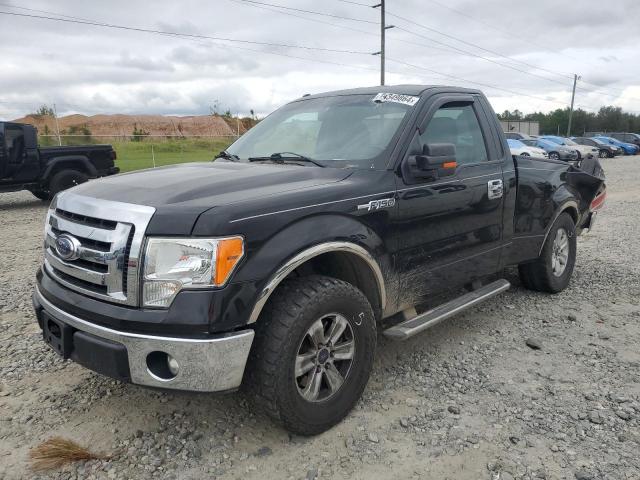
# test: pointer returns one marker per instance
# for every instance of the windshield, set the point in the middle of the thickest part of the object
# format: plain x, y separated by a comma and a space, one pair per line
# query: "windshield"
547, 144
348, 130
560, 140
515, 143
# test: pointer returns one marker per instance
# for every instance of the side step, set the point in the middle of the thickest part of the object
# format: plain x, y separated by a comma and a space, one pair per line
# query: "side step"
432, 317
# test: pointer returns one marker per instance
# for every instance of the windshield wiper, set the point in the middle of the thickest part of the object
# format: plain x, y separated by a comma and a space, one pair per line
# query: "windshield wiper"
227, 156
280, 157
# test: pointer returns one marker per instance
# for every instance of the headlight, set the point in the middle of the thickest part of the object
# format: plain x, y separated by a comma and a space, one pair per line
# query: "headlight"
173, 264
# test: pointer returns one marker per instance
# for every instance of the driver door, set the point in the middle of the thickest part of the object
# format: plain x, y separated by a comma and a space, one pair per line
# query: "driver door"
451, 227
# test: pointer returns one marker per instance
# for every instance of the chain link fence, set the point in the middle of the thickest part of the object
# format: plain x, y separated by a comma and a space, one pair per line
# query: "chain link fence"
136, 152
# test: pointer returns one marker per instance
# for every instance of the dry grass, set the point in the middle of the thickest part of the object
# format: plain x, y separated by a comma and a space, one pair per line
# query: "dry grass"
57, 451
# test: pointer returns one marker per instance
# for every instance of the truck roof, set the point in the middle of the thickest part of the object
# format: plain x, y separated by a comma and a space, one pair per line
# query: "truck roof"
410, 89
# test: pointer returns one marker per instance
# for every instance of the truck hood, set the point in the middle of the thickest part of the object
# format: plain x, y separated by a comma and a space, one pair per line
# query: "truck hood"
181, 193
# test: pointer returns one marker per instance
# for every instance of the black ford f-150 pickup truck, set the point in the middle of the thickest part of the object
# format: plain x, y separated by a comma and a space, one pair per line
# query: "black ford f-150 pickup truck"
339, 215
45, 171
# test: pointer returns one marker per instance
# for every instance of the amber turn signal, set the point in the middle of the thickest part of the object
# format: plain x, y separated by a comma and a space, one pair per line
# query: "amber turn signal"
230, 251
449, 165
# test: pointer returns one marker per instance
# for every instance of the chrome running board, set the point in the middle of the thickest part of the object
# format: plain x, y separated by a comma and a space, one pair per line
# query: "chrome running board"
428, 319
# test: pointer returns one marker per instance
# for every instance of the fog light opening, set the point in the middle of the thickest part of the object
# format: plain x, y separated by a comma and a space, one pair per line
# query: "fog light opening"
162, 366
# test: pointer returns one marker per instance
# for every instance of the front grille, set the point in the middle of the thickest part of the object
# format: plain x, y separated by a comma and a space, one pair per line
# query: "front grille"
107, 238
84, 219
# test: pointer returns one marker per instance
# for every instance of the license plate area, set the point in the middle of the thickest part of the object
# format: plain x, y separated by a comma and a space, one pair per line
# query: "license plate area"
57, 335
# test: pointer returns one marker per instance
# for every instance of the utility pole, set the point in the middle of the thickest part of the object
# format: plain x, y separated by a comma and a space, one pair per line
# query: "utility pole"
55, 116
573, 97
383, 28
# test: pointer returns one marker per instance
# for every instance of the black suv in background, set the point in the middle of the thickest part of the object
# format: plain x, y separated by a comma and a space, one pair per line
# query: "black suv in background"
45, 171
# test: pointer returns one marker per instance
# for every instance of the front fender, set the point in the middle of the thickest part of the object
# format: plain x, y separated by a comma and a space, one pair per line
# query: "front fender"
267, 265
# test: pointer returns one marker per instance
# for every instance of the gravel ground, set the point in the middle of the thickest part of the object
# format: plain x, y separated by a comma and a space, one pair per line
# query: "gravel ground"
469, 399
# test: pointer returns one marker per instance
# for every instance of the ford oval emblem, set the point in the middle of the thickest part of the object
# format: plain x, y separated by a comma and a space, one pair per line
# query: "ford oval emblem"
67, 247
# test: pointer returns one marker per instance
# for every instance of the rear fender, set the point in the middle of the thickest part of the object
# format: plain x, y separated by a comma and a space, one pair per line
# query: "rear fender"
75, 162
576, 195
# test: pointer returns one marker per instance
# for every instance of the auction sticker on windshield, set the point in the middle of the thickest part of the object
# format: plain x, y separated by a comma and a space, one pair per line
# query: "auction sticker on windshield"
396, 98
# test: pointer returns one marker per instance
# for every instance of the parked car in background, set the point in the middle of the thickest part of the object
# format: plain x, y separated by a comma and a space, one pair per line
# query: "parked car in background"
605, 150
582, 150
593, 134
518, 148
627, 148
518, 136
555, 151
627, 138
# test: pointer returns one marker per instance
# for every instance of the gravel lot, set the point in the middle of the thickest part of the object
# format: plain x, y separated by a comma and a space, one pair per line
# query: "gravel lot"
468, 399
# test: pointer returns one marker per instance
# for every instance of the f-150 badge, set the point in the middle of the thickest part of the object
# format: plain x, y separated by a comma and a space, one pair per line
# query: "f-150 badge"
378, 204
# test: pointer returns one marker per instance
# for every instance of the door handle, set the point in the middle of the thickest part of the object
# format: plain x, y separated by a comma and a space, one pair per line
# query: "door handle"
494, 189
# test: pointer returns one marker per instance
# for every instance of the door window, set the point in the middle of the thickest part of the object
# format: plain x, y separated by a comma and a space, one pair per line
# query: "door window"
458, 124
14, 143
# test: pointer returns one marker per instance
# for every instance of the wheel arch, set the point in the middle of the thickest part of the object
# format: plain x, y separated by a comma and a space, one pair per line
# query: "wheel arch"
571, 207
69, 162
340, 259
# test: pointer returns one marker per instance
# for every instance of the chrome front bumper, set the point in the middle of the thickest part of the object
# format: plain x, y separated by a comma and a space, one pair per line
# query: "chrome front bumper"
205, 365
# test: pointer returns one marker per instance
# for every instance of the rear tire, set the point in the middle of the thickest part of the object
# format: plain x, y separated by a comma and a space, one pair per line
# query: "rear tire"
554, 156
551, 272
65, 179
294, 360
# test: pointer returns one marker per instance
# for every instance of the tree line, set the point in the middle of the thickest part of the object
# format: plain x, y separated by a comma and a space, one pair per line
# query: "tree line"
607, 119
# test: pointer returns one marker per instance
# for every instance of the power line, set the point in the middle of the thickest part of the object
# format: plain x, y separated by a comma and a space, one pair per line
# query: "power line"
336, 25
537, 67
316, 20
519, 37
311, 12
466, 52
179, 34
44, 11
355, 3
474, 82
493, 52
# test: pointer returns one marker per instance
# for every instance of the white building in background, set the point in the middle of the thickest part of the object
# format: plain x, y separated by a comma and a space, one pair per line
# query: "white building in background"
521, 126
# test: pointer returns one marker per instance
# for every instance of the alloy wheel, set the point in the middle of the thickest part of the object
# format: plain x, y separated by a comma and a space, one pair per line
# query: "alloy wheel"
560, 252
324, 358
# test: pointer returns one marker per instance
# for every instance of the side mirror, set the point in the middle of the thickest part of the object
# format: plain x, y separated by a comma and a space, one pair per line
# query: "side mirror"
437, 160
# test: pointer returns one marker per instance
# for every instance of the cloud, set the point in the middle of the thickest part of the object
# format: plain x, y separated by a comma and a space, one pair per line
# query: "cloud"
92, 69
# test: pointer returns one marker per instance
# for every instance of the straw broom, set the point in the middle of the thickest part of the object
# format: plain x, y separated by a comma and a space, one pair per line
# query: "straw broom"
58, 451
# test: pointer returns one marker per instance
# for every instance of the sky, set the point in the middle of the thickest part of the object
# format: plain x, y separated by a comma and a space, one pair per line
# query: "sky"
522, 54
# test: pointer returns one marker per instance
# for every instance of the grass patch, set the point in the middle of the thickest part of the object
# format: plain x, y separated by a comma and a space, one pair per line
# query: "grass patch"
139, 155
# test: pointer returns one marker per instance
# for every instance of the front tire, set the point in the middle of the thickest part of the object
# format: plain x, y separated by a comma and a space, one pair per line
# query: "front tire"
551, 272
313, 353
554, 156
65, 179
40, 194
603, 154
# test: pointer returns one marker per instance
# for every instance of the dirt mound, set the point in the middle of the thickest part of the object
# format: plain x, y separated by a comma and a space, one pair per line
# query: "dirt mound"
124, 125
